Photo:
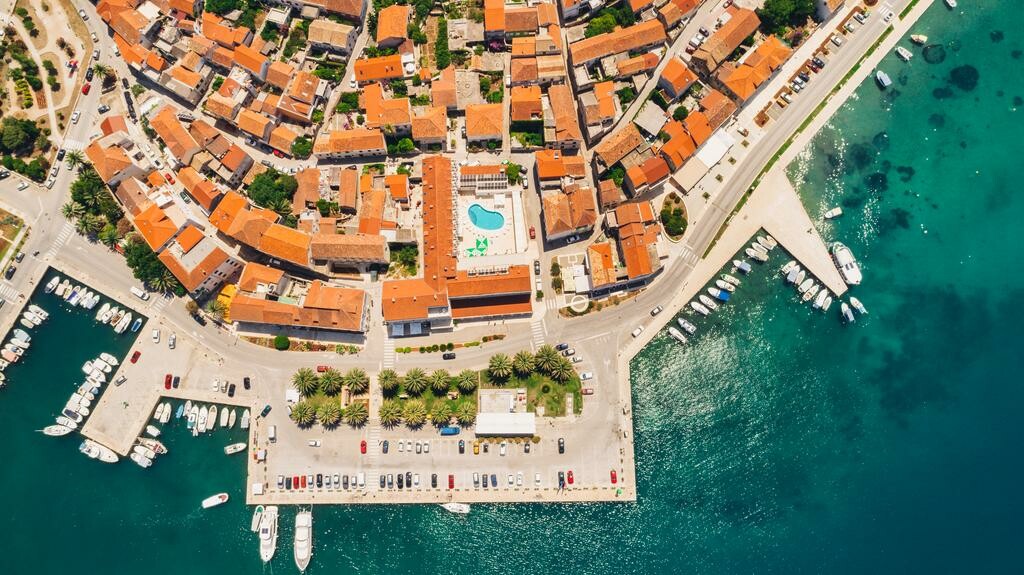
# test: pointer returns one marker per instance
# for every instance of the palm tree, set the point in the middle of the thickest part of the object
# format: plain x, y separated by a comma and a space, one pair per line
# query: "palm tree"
87, 224
466, 414
282, 206
562, 371
330, 381
500, 367
440, 413
217, 308
388, 381
108, 235
166, 282
304, 381
522, 363
74, 158
546, 358
467, 380
329, 413
356, 414
72, 210
415, 413
303, 413
416, 381
357, 381
390, 413
440, 381
100, 70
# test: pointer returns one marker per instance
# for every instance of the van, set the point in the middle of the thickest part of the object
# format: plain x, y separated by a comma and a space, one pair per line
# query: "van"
272, 433
140, 293
362, 479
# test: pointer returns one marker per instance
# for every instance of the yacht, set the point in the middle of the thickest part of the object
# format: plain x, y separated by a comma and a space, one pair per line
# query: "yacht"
687, 326
789, 266
847, 314
904, 54
834, 213
244, 424
820, 299
919, 39
846, 263
141, 460
232, 418
858, 306
806, 285
800, 277
677, 334
123, 324
193, 415
699, 308
56, 430
42, 313
267, 527
215, 500
109, 314
67, 422
458, 508
72, 296
144, 451
204, 414
103, 310
303, 539
159, 412
89, 449
883, 79
22, 335
107, 454
734, 281
99, 364
708, 302
84, 298
32, 318
722, 284
52, 284
742, 266
20, 343
810, 293
719, 294
167, 412
211, 419
234, 448
755, 255
157, 446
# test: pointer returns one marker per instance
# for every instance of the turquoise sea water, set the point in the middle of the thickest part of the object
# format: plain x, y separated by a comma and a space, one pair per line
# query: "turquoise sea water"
779, 441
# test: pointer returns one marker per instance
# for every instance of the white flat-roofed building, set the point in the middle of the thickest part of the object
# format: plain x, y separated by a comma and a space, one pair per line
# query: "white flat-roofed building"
506, 424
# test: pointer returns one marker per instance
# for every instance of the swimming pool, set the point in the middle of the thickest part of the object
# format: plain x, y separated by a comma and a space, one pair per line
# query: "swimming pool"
485, 219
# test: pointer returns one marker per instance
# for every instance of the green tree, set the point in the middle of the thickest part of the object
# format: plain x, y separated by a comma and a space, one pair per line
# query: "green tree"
500, 367
17, 136
513, 172
466, 414
281, 342
100, 70
414, 413
216, 308
680, 113
390, 413
562, 370
302, 147
442, 56
356, 414
304, 381
357, 381
88, 224
388, 381
467, 380
271, 186
416, 381
777, 15
523, 363
405, 146
546, 358
600, 25
331, 381
440, 381
329, 413
303, 413
72, 210
221, 7
440, 413
74, 158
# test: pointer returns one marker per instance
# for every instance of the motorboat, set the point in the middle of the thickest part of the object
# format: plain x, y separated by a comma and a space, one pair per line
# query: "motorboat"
792, 274
193, 416
215, 500
678, 335
820, 299
156, 445
3, 378
257, 516
153, 430
225, 415
116, 316
8, 356
904, 54
33, 318
951, 4
145, 451
22, 335
457, 508
719, 294
244, 423
52, 284
16, 350
72, 414
56, 430
142, 461
103, 310
26, 323
97, 376
188, 407
159, 412
67, 422
789, 265
699, 308
756, 255
109, 359
20, 343
123, 324
858, 306
847, 314
846, 263
800, 277
84, 298
76, 294
211, 419
687, 326
87, 367
267, 527
883, 79
109, 314
178, 412
805, 285
99, 364
722, 284
42, 313
303, 539
107, 455
95, 299
167, 413
742, 266
234, 448
232, 418
204, 413
827, 304
919, 39
136, 325
767, 242
759, 248
834, 213
733, 280
708, 302
810, 293
90, 449
62, 288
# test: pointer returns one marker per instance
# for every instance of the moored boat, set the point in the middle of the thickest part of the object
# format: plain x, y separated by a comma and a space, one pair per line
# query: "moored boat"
733, 280
156, 445
108, 315
90, 449
951, 4
22, 335
136, 325
844, 309
919, 39
234, 448
225, 415
215, 500
847, 264
834, 213
904, 54
75, 293
457, 508
62, 288
167, 413
153, 431
244, 423
67, 422
883, 79
211, 419
193, 416
33, 318
107, 454
708, 302
109, 359
178, 412
757, 256
42, 313
303, 539
820, 299
144, 451
722, 284
810, 293
827, 304
719, 294
789, 265
103, 310
687, 326
141, 460
257, 515
52, 284
204, 413
792, 274
268, 533
18, 342
158, 412
25, 323
678, 335
699, 308
759, 248
84, 298
805, 285
9, 356
742, 266
858, 306
123, 324
800, 277
232, 418
56, 430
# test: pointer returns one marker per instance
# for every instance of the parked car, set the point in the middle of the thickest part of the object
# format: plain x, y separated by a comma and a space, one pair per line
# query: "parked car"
586, 375
656, 311
569, 352
451, 481
384, 447
89, 74
433, 480
572, 239
19, 257
83, 15
576, 358
362, 446
170, 178
167, 381
60, 157
266, 410
536, 267
462, 446
533, 233
322, 368
75, 116
568, 476
561, 445
172, 341
562, 346
615, 477
156, 336
837, 40
448, 355
636, 332
246, 382
136, 356
231, 390
587, 391
86, 86
176, 381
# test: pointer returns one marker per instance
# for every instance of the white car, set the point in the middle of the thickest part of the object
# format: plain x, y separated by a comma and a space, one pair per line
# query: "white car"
156, 336
536, 479
401, 446
511, 480
426, 447
416, 479
519, 479
586, 375
837, 40
75, 117
172, 341
22, 186
504, 448
576, 358
83, 14
656, 311
636, 332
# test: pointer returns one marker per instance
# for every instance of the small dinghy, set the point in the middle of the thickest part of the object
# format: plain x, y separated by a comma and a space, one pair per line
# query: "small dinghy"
858, 306
215, 500
919, 39
833, 213
234, 448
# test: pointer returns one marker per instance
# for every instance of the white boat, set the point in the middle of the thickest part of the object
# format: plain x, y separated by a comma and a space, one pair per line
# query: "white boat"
76, 294
834, 213
56, 430
677, 334
844, 310
124, 323
904, 54
101, 365
109, 359
97, 376
204, 413
62, 288
792, 274
9, 356
225, 415
107, 455
800, 277
805, 285
84, 298
244, 424
211, 419
234, 448
756, 255
699, 308
232, 418
789, 265
153, 431
141, 460
742, 266
42, 313
858, 306
103, 309
268, 533
722, 284
159, 412
846, 263
827, 304
710, 303
257, 515
188, 407
52, 284
919, 39
215, 500
167, 413
108, 315
18, 351
20, 343
951, 4
731, 279
157, 446
144, 451
687, 326
32, 318
759, 248
303, 539
883, 79
193, 417
458, 508
767, 242
90, 449
95, 300
820, 299
810, 293
67, 422
116, 316
22, 335
25, 323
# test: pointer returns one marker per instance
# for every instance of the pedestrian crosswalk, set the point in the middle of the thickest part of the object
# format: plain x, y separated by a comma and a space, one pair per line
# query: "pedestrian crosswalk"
551, 303
373, 444
62, 238
8, 292
159, 303
73, 144
689, 257
389, 353
537, 328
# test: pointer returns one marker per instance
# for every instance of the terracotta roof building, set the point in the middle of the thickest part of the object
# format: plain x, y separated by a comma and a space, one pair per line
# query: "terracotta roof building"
354, 143
635, 37
616, 145
431, 127
563, 129
378, 69
724, 41
202, 190
571, 211
322, 307
327, 34
485, 122
178, 140
553, 165
348, 253
392, 23
525, 103
155, 227
744, 79
676, 78
198, 262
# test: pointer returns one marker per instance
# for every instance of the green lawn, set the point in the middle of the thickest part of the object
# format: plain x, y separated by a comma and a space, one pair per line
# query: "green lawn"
542, 390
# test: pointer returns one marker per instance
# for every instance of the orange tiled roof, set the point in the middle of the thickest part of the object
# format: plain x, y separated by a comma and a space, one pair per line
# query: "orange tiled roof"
726, 39
410, 299
567, 124
494, 15
254, 275
349, 247
698, 127
353, 140
108, 162
113, 123
371, 213
250, 59
617, 144
678, 149
285, 243
398, 186
392, 22
743, 80
203, 132
304, 87
517, 280
279, 74
189, 237
324, 307
381, 68
523, 46
187, 77
521, 19
191, 279
155, 227
637, 64
602, 266
525, 103
432, 124
252, 123
382, 112
203, 190
282, 138
678, 76
442, 90
553, 164
622, 40
524, 70
485, 121
717, 107
570, 210
174, 135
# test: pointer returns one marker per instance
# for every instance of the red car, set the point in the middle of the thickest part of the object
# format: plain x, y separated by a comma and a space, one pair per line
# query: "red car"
278, 154
167, 381
615, 477
295, 482
136, 356
303, 481
169, 177
533, 233
321, 368
451, 481
568, 476
86, 87
362, 446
